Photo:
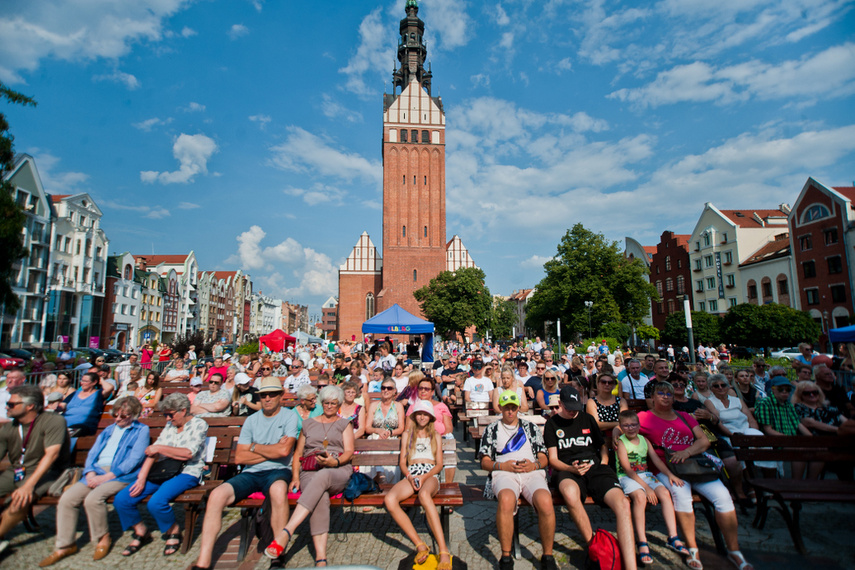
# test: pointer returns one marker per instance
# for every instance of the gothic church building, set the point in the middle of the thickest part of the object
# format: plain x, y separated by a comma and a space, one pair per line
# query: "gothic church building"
414, 245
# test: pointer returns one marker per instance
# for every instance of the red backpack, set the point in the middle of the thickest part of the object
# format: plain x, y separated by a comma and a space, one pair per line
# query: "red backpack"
604, 551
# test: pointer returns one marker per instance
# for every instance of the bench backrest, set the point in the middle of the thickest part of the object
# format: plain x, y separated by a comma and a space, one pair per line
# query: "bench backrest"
387, 452
793, 448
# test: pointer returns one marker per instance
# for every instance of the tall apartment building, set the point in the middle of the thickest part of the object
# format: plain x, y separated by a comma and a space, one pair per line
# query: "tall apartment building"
329, 312
123, 304
720, 242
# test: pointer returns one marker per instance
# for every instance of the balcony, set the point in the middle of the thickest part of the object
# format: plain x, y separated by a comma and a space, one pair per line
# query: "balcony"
699, 290
730, 285
696, 269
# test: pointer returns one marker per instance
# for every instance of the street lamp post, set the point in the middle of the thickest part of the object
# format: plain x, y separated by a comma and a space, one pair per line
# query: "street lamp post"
687, 308
589, 305
558, 330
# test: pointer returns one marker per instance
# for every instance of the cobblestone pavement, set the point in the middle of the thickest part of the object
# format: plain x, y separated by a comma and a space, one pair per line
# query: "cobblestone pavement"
371, 538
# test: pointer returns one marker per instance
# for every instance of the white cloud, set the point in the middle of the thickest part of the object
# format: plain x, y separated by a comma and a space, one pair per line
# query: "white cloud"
534, 262
318, 194
237, 31
501, 16
825, 75
53, 181
76, 31
194, 107
150, 212
373, 55
308, 271
448, 19
480, 80
120, 77
334, 110
188, 32
257, 4
149, 124
188, 206
302, 151
565, 64
262, 120
192, 153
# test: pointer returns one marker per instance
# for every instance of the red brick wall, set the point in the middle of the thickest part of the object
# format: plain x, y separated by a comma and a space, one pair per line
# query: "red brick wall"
352, 289
668, 246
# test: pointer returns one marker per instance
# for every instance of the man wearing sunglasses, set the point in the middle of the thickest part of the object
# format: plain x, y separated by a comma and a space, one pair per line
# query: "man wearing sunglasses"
776, 414
299, 376
264, 446
36, 447
214, 402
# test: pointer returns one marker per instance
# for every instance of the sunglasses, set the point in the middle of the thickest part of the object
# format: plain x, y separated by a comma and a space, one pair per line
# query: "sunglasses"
385, 388
665, 394
541, 369
810, 393
213, 382
718, 386
267, 368
170, 415
783, 388
679, 383
11, 405
553, 407
270, 395
607, 382
425, 388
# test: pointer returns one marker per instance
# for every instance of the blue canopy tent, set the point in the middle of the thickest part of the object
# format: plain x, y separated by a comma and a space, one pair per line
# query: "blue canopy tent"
395, 320
843, 334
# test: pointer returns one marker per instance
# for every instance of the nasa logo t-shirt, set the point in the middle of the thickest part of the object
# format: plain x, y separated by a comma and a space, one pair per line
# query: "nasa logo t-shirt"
578, 439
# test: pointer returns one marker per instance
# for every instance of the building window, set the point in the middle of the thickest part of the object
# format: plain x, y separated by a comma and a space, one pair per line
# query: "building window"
658, 270
667, 263
831, 236
706, 239
681, 285
783, 287
697, 265
752, 290
728, 256
732, 301
425, 136
669, 284
812, 296
708, 261
699, 285
404, 134
115, 308
415, 275
809, 269
404, 179
679, 264
425, 180
659, 288
670, 306
404, 231
838, 293
659, 308
710, 282
414, 136
805, 243
425, 231
724, 237
78, 248
702, 306
835, 264
767, 289
731, 280
713, 306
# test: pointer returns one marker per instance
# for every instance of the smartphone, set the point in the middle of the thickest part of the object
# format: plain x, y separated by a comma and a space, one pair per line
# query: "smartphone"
521, 461
417, 483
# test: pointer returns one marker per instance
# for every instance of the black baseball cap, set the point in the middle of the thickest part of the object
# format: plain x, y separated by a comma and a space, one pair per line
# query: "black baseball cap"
570, 399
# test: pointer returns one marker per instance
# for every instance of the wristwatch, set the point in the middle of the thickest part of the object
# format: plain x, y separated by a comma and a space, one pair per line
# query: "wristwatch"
252, 447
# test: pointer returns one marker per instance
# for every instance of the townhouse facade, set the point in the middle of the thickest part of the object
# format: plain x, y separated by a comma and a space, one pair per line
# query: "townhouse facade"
670, 274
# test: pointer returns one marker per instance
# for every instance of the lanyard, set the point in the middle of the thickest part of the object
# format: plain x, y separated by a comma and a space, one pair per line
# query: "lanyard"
25, 440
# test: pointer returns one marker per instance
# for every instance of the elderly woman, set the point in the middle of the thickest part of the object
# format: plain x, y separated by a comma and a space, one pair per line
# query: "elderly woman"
182, 440
352, 411
680, 433
213, 402
329, 439
113, 463
229, 381
83, 410
307, 404
47, 384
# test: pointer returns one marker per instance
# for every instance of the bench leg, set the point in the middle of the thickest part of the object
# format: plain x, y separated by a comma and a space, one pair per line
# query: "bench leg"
709, 514
445, 521
30, 523
247, 530
762, 511
516, 546
792, 521
191, 515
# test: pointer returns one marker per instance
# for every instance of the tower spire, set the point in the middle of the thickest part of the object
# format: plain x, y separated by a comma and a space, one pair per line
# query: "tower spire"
412, 50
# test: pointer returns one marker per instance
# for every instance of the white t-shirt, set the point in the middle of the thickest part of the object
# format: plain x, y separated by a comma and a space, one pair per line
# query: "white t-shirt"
479, 389
635, 388
401, 382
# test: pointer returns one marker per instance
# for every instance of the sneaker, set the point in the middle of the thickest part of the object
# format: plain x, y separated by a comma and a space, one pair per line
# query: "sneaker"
506, 563
4, 546
547, 562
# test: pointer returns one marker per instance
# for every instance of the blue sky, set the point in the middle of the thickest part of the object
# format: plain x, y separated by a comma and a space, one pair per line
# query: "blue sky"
250, 130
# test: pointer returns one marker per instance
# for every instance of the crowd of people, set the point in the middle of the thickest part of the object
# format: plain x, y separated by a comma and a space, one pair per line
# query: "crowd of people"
614, 428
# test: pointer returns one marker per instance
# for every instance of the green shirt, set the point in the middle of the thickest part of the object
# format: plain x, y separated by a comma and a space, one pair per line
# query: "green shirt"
782, 418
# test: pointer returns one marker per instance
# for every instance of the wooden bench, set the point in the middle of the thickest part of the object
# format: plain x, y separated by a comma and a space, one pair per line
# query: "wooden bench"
384, 452
791, 493
471, 411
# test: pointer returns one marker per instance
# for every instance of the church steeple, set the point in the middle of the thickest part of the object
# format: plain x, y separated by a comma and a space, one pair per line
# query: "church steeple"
412, 51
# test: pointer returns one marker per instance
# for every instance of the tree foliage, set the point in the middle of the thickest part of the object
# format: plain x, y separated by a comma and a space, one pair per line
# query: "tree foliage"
706, 328
503, 318
769, 326
12, 217
646, 332
587, 267
618, 331
453, 301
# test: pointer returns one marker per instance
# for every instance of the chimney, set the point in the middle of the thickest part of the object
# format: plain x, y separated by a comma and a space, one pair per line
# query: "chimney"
140, 262
758, 219
785, 208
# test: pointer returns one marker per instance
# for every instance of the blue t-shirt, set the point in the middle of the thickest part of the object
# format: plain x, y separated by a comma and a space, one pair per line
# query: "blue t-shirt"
264, 430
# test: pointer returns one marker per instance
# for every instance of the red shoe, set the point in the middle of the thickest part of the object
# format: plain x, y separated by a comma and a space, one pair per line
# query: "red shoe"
275, 550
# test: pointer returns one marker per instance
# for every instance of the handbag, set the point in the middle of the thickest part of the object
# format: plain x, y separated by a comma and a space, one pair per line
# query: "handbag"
699, 468
359, 483
66, 479
164, 470
310, 462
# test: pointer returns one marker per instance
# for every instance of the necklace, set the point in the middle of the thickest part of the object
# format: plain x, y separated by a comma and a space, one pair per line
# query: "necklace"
326, 441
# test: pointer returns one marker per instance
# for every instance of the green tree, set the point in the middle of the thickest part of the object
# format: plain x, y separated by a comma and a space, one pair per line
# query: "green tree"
706, 328
587, 267
503, 318
617, 331
453, 301
12, 217
645, 332
769, 326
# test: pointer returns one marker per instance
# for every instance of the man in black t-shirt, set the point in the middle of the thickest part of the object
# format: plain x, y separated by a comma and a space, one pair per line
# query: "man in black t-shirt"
579, 460
340, 371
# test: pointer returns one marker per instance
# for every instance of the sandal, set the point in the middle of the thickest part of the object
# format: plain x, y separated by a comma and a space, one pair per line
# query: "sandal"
678, 548
694, 560
644, 558
321, 561
737, 559
133, 548
444, 565
274, 550
422, 554
171, 549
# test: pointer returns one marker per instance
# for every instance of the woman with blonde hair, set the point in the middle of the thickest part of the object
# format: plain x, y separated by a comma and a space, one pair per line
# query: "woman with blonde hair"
508, 381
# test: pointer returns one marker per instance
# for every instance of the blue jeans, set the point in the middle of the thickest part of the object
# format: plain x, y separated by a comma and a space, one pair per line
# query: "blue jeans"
159, 504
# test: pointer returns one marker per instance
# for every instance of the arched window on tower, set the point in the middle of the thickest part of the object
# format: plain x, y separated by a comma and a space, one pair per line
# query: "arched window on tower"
415, 275
404, 135
414, 136
426, 136
425, 231
404, 231
369, 305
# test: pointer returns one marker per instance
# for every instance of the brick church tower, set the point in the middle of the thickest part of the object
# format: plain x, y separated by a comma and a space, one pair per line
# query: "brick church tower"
414, 245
